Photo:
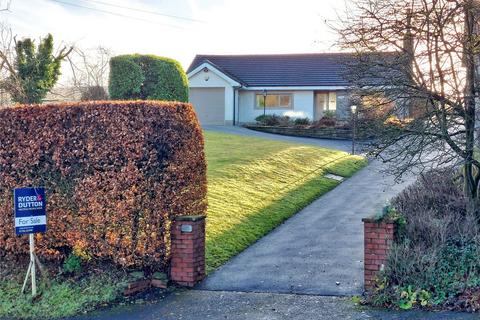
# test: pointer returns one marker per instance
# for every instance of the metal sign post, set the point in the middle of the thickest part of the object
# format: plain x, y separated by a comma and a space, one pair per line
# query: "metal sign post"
30, 218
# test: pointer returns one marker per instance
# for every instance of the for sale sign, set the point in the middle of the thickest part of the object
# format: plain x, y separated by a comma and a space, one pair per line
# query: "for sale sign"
30, 210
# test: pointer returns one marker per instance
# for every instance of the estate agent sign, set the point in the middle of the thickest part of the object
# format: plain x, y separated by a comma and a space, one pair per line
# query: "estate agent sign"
30, 218
30, 212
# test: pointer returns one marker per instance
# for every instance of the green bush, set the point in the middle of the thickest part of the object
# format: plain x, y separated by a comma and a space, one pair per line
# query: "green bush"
274, 120
93, 93
301, 121
330, 114
73, 264
147, 77
126, 78
35, 70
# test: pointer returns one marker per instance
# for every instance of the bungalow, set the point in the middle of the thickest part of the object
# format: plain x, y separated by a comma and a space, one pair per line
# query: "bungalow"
235, 89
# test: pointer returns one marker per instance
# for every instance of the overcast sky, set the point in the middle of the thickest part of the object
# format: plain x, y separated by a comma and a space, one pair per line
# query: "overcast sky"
210, 26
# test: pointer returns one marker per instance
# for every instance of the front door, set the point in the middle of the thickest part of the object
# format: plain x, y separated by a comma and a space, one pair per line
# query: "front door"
321, 103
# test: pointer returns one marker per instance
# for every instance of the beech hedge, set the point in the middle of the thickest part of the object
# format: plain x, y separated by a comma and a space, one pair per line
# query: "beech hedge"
147, 77
115, 173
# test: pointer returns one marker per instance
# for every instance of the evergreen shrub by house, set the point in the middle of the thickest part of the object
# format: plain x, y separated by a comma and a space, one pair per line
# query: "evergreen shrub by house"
147, 77
274, 120
115, 172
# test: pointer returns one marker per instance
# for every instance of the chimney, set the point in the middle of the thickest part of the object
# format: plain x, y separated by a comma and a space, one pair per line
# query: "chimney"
408, 38
409, 55
408, 45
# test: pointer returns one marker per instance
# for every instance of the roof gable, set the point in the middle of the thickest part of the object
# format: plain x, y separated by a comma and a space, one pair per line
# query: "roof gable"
206, 64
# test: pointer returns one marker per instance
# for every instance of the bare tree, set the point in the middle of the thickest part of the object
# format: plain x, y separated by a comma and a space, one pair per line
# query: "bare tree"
419, 57
89, 70
7, 68
5, 5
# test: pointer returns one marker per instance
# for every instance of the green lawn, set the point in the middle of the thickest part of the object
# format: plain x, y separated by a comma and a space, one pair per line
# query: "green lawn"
255, 184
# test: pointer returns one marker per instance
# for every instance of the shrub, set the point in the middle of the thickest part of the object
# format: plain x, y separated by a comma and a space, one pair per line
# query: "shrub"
301, 121
147, 77
284, 121
437, 250
325, 122
330, 114
434, 209
261, 119
273, 120
268, 119
125, 79
34, 71
93, 93
73, 264
115, 173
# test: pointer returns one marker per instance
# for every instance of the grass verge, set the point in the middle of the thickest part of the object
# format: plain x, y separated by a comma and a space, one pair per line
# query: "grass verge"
63, 298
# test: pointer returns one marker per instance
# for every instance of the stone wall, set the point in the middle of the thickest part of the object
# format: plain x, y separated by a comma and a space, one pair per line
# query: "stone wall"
325, 133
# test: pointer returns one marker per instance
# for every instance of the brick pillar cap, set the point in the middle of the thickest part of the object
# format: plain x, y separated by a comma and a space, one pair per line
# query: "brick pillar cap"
189, 218
376, 220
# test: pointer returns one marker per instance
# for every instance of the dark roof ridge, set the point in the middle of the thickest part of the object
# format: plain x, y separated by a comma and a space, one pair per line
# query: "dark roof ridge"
292, 54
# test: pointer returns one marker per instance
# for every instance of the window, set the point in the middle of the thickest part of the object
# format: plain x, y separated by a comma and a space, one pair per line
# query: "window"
274, 101
327, 101
332, 101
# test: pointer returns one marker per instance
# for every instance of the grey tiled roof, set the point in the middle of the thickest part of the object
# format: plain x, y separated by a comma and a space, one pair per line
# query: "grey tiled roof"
311, 69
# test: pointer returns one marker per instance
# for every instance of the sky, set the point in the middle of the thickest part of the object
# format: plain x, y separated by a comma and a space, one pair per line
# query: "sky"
191, 27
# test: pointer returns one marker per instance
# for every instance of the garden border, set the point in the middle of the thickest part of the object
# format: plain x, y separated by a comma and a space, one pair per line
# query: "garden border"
323, 133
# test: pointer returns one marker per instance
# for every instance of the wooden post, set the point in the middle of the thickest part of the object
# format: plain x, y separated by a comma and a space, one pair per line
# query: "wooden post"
31, 267
32, 261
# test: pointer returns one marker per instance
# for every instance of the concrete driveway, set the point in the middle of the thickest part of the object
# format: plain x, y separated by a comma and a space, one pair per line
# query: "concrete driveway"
318, 251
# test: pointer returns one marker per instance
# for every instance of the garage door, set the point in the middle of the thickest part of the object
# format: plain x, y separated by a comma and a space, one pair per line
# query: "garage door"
209, 103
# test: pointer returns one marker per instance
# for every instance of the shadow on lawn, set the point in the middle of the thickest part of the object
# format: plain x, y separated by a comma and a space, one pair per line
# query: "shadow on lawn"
231, 242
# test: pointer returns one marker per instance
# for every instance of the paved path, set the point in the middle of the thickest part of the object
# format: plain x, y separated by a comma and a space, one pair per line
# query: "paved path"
318, 247
344, 145
196, 305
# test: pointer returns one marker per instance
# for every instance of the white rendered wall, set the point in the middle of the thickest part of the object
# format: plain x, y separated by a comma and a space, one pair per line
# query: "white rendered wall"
302, 102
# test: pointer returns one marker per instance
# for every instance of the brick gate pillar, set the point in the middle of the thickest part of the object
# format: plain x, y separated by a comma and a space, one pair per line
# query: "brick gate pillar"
188, 250
378, 238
